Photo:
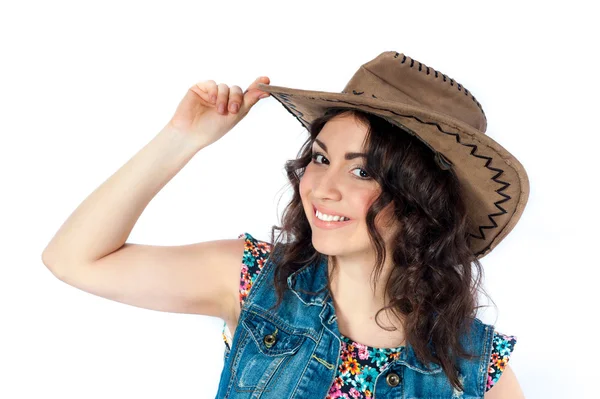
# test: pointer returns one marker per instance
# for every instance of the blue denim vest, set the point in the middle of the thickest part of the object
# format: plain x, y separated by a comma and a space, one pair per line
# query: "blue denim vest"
294, 351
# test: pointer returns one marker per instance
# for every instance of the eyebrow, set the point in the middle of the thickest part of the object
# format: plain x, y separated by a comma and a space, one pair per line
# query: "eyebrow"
348, 156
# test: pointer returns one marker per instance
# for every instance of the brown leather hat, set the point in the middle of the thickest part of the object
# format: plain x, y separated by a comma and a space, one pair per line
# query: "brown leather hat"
446, 117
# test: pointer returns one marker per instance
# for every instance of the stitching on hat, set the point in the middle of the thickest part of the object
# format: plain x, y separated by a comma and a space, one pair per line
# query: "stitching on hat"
354, 92
445, 77
285, 102
299, 115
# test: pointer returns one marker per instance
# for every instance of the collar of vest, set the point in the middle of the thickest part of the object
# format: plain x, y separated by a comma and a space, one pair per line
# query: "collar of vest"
309, 284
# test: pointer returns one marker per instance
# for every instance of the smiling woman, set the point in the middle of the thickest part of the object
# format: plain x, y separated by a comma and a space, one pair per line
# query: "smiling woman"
402, 153
407, 226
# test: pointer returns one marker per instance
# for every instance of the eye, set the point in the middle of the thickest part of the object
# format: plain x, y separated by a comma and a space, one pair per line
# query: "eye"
315, 155
363, 177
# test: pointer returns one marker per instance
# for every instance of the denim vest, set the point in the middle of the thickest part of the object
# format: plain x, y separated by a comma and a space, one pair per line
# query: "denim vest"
294, 351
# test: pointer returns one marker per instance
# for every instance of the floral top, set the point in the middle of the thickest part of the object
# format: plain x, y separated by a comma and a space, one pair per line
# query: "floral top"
360, 363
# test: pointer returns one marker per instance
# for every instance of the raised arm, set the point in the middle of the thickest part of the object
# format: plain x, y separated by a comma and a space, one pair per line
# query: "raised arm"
90, 250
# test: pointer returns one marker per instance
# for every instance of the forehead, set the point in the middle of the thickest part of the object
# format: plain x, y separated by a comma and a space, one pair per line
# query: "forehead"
343, 132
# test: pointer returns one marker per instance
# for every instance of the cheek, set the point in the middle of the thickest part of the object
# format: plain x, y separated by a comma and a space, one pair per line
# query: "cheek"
306, 181
304, 184
304, 188
361, 201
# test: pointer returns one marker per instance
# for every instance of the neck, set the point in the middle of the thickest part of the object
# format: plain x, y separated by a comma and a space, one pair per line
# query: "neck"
352, 288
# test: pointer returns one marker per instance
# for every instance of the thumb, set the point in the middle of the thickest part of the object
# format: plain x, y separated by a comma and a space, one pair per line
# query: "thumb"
253, 93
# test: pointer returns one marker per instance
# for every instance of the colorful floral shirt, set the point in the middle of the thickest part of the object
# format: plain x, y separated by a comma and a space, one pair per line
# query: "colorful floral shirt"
360, 363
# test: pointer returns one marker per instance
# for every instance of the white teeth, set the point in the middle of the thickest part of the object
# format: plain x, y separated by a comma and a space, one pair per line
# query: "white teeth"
329, 218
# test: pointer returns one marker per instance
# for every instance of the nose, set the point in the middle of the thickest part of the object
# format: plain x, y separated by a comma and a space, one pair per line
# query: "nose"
326, 186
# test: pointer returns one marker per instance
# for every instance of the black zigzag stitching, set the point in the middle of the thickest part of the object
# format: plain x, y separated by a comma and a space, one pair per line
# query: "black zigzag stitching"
445, 77
299, 115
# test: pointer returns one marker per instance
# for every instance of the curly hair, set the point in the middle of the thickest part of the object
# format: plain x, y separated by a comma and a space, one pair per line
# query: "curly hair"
431, 284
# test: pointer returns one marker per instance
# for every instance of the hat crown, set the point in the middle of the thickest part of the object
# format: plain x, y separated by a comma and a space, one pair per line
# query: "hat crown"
395, 77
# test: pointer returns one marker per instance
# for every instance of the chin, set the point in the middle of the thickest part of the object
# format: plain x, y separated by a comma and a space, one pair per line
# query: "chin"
327, 244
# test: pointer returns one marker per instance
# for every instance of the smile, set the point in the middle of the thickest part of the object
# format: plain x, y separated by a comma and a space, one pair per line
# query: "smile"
329, 225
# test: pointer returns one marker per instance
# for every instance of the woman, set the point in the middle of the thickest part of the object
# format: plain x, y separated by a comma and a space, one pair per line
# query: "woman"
432, 195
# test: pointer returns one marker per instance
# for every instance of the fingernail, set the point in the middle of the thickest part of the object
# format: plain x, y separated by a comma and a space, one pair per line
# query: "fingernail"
213, 99
263, 96
235, 107
221, 108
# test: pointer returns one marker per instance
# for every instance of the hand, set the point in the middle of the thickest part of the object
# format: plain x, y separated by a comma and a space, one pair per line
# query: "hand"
206, 120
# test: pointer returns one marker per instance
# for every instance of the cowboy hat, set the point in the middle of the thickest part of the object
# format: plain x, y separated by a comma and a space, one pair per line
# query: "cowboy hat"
447, 118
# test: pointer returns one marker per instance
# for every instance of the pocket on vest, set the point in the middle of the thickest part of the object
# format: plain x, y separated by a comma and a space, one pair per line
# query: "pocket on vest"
266, 348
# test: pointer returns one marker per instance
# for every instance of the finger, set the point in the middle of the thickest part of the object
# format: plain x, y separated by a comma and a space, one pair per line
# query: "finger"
235, 98
253, 93
254, 85
222, 98
206, 89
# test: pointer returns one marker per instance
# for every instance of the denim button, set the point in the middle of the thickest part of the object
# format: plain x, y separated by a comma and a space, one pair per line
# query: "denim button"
392, 379
269, 340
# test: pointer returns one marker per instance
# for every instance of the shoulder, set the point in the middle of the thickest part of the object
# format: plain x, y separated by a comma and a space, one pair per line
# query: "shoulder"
501, 346
507, 386
256, 253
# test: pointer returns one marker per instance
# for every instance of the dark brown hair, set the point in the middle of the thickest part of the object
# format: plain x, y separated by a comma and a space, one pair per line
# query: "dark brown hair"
432, 284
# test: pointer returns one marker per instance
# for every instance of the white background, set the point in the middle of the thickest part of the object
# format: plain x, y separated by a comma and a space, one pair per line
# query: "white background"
85, 85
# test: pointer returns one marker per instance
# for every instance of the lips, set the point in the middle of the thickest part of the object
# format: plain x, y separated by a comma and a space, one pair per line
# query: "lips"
328, 211
329, 225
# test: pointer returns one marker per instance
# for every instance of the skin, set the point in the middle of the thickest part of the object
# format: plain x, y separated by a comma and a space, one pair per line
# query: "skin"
336, 183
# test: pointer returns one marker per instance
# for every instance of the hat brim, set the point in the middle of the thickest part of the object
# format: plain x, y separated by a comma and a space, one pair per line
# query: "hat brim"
494, 182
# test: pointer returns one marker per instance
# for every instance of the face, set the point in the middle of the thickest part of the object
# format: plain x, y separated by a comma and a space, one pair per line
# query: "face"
336, 183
